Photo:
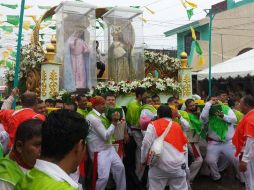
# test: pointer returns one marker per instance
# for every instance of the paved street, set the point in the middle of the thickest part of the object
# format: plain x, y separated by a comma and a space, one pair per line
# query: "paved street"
228, 182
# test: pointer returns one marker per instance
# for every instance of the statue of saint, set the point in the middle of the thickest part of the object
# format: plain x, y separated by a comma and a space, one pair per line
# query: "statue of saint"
120, 53
77, 62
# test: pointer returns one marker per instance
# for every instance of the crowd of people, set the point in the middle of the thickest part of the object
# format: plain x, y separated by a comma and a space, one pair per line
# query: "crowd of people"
94, 144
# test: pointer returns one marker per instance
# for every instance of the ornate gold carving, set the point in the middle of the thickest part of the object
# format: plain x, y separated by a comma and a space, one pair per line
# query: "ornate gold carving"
43, 83
186, 85
53, 82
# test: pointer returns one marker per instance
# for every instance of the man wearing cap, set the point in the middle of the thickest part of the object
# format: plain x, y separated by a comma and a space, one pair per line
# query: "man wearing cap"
100, 138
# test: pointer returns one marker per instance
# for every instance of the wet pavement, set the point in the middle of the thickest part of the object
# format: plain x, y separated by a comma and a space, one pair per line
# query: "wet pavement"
228, 182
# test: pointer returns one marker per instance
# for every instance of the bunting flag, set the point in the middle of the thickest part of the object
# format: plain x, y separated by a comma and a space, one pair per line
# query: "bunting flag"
26, 25
191, 4
184, 4
13, 19
31, 16
198, 48
200, 53
44, 7
6, 54
149, 10
189, 13
143, 19
28, 6
193, 34
11, 6
8, 29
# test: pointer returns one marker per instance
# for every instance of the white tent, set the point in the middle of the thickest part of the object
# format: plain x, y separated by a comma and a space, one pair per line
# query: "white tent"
241, 65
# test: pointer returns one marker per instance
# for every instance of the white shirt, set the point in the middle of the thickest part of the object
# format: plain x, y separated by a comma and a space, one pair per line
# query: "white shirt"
229, 118
170, 159
98, 134
7, 103
55, 172
248, 152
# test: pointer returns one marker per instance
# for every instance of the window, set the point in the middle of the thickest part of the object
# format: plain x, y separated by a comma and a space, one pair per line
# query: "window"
188, 41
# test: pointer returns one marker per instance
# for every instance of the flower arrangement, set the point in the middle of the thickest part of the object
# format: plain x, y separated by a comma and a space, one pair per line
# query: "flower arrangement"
164, 62
153, 85
31, 57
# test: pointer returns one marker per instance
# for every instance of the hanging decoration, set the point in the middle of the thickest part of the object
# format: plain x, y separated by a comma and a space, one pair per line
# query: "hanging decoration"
189, 7
11, 6
13, 19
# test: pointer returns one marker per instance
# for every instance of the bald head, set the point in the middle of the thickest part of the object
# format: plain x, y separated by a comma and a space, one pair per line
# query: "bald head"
28, 99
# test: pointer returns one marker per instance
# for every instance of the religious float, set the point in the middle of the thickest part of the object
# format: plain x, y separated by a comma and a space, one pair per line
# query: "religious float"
68, 63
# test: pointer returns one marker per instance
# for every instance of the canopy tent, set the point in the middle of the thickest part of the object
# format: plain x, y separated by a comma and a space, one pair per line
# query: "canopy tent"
241, 65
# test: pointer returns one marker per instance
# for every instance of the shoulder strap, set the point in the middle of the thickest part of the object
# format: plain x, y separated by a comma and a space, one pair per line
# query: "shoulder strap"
163, 135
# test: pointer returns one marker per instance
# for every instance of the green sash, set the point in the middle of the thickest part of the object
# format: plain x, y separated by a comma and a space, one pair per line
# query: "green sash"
37, 180
10, 171
105, 123
84, 113
195, 123
149, 107
218, 125
133, 113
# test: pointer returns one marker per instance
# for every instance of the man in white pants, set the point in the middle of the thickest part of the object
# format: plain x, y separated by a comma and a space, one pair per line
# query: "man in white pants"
170, 166
132, 118
244, 141
220, 133
193, 134
104, 156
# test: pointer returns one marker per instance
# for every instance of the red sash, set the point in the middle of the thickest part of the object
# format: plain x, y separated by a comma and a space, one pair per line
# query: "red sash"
175, 136
95, 170
244, 128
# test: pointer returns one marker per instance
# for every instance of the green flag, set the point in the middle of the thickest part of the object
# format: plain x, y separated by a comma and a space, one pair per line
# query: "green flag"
189, 13
198, 48
7, 28
13, 19
11, 6
44, 7
13, 54
42, 43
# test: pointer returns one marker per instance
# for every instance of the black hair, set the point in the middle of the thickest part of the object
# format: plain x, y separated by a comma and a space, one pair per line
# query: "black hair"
220, 92
27, 130
140, 91
78, 98
249, 100
231, 102
51, 101
59, 101
144, 99
171, 99
188, 101
39, 101
109, 94
75, 106
155, 96
61, 131
164, 111
28, 99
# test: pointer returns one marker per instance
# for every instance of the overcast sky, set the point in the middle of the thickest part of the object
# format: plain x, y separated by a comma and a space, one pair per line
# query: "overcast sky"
169, 14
